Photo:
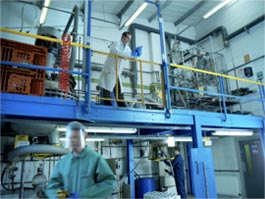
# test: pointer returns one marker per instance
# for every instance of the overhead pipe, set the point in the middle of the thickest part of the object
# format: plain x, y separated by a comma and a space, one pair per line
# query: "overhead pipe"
220, 29
246, 27
164, 6
189, 12
125, 8
226, 37
149, 29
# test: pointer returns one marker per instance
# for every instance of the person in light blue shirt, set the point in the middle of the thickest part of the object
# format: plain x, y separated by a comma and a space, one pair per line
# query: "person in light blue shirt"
83, 173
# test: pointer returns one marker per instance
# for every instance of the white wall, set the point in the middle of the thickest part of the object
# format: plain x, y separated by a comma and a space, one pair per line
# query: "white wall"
233, 16
226, 166
248, 43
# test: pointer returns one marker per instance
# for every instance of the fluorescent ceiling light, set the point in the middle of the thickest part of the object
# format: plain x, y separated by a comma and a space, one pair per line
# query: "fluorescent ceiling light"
232, 133
183, 139
87, 139
95, 129
136, 14
44, 11
170, 141
216, 8
189, 139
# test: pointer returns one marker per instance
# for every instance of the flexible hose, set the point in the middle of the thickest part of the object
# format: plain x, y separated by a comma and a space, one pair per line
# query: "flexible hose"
12, 183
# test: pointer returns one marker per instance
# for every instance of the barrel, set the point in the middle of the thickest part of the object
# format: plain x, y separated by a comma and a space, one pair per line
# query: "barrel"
144, 185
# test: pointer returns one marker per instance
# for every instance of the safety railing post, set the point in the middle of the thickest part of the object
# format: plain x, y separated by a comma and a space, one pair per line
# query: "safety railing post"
164, 64
221, 84
262, 97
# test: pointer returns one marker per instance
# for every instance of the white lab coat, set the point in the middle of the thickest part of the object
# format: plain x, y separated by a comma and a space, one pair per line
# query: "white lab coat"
107, 78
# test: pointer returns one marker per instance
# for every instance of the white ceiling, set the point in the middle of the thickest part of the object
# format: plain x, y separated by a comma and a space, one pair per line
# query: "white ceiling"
174, 9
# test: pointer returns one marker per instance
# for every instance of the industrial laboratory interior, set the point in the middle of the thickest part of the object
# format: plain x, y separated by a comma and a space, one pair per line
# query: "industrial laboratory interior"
132, 99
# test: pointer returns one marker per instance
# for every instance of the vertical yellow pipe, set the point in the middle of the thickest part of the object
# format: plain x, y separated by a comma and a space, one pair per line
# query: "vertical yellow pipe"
248, 160
141, 78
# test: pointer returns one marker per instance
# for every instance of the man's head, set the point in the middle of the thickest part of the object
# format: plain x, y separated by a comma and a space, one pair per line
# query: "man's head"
75, 133
176, 150
126, 37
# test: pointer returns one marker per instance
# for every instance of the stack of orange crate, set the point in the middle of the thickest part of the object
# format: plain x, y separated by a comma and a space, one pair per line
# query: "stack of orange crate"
22, 80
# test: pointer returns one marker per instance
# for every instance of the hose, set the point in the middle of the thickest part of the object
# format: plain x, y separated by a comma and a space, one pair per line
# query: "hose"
22, 152
12, 183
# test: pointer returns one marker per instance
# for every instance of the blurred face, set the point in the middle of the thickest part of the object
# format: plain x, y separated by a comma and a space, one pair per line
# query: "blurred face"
126, 39
176, 152
76, 140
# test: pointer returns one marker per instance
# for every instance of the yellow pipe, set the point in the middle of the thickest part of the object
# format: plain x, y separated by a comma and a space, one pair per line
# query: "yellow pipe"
142, 83
143, 61
42, 37
216, 74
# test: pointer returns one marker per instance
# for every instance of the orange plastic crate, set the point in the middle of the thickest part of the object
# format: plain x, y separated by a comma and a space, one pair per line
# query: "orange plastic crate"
19, 84
27, 54
37, 87
7, 72
24, 53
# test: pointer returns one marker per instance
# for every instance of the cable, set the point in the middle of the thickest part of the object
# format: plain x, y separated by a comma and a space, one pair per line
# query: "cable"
125, 176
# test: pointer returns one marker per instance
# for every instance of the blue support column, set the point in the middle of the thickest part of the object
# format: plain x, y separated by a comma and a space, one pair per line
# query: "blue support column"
262, 97
262, 135
197, 133
88, 58
164, 64
130, 166
201, 165
221, 82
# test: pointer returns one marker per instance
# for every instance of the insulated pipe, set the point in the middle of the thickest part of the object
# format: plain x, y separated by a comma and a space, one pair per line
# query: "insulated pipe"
148, 29
220, 29
22, 152
246, 27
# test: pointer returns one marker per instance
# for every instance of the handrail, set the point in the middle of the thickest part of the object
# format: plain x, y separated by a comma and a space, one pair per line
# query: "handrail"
216, 74
42, 37
141, 62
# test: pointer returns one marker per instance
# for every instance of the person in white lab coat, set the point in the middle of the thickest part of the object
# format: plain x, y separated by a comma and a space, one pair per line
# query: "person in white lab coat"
107, 80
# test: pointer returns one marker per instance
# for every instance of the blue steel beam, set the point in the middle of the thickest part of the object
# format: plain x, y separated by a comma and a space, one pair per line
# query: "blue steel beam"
221, 81
262, 96
197, 133
60, 108
130, 167
88, 57
262, 137
165, 64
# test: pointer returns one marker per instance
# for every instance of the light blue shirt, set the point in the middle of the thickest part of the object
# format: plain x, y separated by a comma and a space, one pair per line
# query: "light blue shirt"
87, 174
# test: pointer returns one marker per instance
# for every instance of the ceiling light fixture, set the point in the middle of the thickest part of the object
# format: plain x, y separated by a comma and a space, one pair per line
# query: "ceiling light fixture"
216, 8
44, 11
232, 133
183, 139
136, 14
170, 141
95, 129
87, 139
189, 139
